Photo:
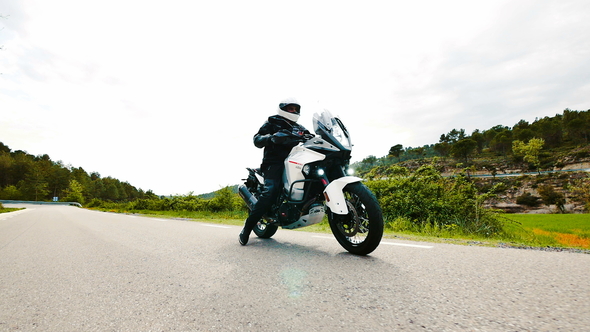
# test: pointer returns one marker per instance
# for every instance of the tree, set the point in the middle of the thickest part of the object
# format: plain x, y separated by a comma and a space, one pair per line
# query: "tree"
4, 148
11, 192
501, 142
74, 193
522, 131
529, 151
549, 129
58, 180
490, 134
34, 184
463, 148
453, 136
396, 151
576, 125
6, 164
112, 192
442, 148
419, 151
478, 137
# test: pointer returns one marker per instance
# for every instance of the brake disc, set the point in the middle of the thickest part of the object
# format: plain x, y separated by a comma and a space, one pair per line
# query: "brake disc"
350, 226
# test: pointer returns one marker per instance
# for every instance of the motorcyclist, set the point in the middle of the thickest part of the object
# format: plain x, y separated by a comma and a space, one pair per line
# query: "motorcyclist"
277, 137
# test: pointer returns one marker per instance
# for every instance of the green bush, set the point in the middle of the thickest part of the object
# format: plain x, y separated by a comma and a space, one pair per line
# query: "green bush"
94, 203
224, 200
11, 192
528, 199
550, 196
432, 202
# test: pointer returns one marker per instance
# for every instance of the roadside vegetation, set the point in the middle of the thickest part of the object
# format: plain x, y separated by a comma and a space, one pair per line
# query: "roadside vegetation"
553, 231
3, 209
461, 189
420, 205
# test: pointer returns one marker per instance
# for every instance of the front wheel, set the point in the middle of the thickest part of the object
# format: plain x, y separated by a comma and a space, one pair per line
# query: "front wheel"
360, 231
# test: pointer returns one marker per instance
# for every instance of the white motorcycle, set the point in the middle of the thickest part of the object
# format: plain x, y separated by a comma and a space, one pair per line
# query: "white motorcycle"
316, 184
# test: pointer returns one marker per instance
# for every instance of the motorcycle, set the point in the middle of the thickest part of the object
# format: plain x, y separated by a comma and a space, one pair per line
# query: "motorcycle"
316, 184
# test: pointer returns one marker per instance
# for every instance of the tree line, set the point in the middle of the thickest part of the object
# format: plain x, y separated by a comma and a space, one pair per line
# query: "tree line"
38, 178
570, 129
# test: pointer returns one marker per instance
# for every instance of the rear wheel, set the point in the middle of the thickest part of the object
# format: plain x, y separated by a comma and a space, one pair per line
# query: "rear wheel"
265, 230
360, 231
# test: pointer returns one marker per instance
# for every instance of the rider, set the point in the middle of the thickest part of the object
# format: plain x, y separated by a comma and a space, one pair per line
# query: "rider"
276, 137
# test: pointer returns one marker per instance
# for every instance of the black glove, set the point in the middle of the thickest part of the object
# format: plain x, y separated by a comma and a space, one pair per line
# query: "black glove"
261, 141
283, 136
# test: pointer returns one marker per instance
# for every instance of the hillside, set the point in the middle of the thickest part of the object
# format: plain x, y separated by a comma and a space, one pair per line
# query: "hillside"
38, 178
491, 157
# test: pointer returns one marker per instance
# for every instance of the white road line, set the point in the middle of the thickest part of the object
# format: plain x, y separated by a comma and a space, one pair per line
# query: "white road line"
408, 245
388, 243
216, 226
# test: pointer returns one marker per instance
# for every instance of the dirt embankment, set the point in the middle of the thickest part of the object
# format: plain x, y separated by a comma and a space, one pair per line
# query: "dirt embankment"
520, 193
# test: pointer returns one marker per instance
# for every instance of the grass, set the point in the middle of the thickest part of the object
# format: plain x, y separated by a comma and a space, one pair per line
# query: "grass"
521, 230
226, 217
4, 210
567, 230
563, 223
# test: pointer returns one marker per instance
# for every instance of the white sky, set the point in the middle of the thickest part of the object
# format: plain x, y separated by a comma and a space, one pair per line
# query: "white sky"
167, 95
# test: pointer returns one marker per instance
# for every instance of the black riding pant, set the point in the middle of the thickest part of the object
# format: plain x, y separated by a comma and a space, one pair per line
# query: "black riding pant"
273, 180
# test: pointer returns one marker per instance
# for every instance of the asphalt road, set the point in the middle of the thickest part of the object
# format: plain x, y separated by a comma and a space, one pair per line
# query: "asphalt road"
68, 269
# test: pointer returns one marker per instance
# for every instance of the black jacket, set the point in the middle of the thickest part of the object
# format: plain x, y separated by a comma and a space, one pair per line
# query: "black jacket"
276, 153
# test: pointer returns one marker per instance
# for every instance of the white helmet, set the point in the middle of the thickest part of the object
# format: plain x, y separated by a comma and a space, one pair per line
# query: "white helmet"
292, 115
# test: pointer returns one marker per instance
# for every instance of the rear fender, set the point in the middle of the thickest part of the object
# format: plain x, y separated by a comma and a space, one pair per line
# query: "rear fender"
335, 196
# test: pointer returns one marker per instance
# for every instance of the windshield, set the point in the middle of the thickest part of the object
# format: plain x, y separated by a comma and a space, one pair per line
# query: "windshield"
332, 130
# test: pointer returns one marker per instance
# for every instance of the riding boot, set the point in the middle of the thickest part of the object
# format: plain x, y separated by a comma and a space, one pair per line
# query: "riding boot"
249, 225
245, 233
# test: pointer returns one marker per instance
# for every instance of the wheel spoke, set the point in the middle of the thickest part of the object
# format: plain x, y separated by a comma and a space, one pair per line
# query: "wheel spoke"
354, 225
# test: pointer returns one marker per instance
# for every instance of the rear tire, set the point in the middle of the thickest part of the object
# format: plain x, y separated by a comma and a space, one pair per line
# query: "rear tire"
360, 231
264, 230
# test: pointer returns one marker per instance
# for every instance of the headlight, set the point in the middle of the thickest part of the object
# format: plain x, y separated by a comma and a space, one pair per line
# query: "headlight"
321, 172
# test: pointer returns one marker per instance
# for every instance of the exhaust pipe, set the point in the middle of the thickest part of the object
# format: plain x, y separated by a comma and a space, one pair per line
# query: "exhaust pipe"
247, 196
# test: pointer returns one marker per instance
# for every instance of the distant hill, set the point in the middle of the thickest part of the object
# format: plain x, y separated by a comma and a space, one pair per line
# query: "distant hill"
566, 138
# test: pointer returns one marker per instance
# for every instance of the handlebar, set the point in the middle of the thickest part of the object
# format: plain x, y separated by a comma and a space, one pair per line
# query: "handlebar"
285, 135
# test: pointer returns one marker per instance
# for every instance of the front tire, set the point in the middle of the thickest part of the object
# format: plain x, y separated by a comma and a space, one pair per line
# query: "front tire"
360, 231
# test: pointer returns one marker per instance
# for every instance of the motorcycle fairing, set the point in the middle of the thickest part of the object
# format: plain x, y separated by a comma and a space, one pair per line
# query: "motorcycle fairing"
335, 196
299, 157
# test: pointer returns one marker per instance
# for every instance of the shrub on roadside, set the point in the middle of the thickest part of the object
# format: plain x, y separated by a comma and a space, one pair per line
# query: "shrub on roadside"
528, 199
431, 202
550, 196
224, 201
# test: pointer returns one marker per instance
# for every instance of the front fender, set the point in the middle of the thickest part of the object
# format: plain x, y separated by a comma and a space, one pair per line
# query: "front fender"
335, 196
